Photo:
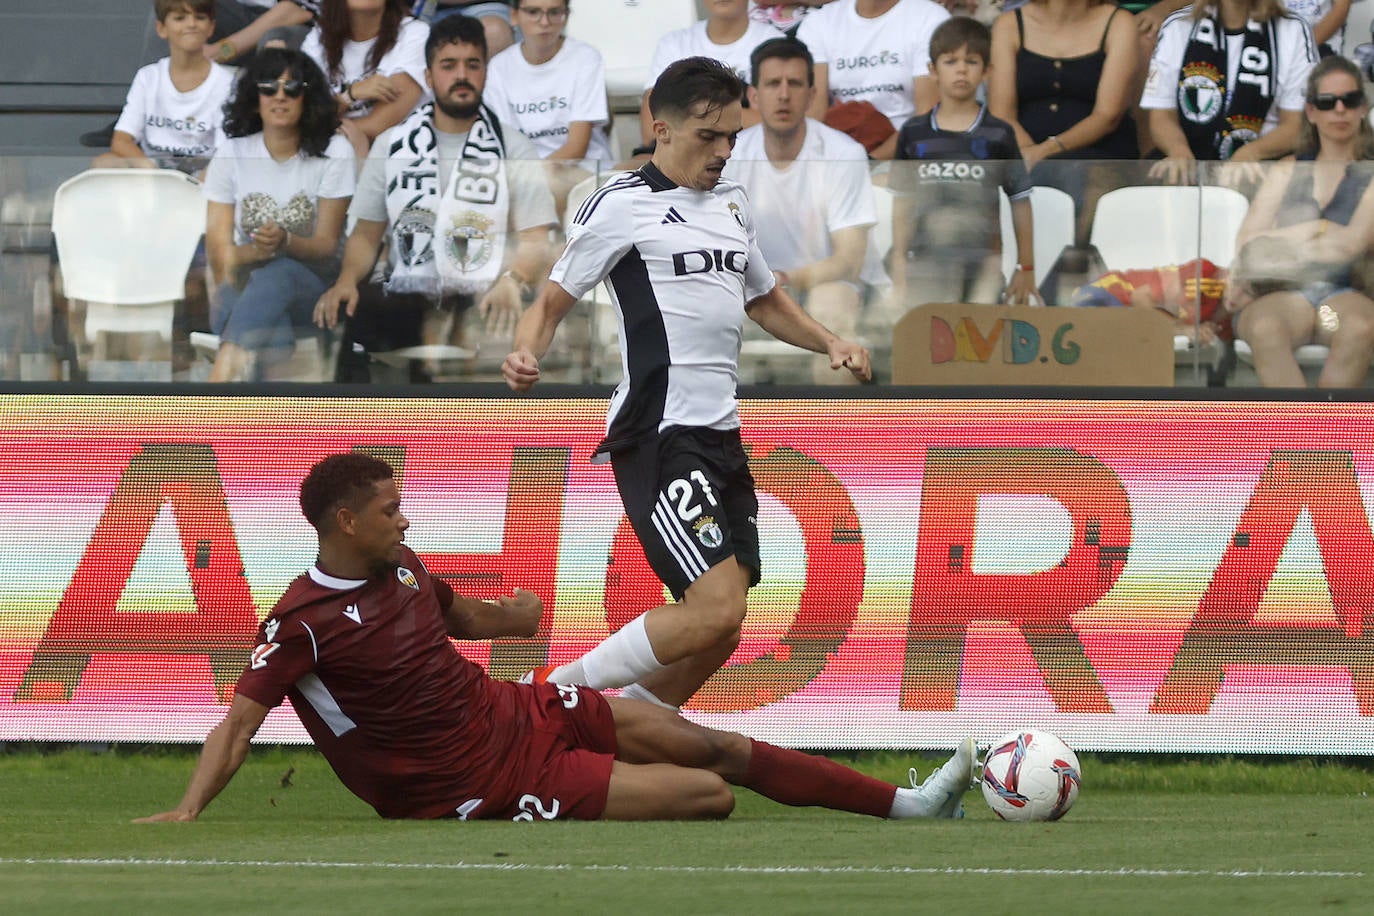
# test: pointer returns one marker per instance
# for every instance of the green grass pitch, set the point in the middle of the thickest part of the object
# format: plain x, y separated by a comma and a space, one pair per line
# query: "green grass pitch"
1148, 835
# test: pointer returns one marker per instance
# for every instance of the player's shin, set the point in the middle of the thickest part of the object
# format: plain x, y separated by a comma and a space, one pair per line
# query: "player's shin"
793, 778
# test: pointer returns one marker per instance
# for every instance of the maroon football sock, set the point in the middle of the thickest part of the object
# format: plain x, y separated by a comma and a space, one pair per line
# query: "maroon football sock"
798, 779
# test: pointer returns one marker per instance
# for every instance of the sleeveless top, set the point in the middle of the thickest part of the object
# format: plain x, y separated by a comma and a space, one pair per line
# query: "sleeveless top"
1299, 206
1053, 94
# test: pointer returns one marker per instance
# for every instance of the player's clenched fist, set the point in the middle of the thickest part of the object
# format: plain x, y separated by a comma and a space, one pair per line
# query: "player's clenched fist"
521, 370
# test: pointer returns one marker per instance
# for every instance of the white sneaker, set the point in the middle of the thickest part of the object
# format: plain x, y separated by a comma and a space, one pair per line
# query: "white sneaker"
941, 795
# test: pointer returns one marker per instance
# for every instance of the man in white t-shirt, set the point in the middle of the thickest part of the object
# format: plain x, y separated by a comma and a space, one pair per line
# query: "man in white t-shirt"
433, 186
174, 113
1250, 112
809, 185
727, 34
553, 88
678, 250
875, 51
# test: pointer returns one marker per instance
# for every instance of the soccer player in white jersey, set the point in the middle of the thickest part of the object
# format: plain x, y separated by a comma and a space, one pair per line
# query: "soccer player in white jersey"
677, 248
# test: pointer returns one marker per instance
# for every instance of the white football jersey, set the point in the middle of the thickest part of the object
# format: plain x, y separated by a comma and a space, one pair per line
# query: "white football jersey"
680, 265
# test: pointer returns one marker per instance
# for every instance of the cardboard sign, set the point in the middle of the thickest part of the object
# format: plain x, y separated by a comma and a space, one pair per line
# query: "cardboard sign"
952, 344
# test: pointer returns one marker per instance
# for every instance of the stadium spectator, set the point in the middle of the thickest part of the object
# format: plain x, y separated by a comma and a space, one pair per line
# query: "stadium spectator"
809, 183
784, 16
946, 216
1307, 232
360, 644
726, 34
373, 54
493, 14
1327, 20
1064, 75
242, 26
1226, 83
875, 51
277, 192
554, 89
463, 202
678, 250
174, 112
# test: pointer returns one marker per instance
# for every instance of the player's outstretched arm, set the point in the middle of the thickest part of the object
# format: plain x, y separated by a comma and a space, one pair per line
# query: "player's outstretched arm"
516, 614
533, 335
225, 749
780, 315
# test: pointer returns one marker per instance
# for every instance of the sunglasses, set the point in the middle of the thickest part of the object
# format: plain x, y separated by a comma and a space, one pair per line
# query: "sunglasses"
294, 89
1352, 99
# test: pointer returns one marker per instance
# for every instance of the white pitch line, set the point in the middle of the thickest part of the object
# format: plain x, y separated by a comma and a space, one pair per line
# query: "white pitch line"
699, 869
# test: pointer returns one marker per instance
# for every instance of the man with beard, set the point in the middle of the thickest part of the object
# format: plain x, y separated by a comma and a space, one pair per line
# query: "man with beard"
463, 202
678, 250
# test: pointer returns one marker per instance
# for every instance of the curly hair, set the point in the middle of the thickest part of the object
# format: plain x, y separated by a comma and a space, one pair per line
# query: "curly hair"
336, 31
319, 114
345, 479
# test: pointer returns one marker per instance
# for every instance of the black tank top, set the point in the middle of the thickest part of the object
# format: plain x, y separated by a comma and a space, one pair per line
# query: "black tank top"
1055, 93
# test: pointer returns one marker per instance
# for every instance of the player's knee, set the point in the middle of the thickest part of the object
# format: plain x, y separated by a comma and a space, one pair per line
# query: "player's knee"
716, 800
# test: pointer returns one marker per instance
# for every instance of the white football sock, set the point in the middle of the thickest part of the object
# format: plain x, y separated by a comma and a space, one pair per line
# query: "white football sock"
907, 803
640, 692
622, 658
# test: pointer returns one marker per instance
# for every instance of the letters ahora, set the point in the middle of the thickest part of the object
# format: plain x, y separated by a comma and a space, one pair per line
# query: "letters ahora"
704, 260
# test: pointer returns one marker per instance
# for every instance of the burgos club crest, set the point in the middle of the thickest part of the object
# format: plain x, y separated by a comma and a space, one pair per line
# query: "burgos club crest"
415, 236
1242, 131
407, 578
469, 244
1200, 95
708, 532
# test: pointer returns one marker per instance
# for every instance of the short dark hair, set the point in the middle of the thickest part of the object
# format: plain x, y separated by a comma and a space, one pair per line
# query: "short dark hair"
782, 49
319, 114
453, 30
164, 8
690, 82
345, 479
961, 31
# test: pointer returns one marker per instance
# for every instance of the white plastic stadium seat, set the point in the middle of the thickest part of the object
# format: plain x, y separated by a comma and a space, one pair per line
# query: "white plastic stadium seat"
1053, 217
1138, 228
125, 240
626, 32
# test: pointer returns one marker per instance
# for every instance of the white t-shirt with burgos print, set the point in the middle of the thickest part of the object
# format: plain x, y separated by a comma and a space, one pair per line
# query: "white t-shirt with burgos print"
166, 122
542, 99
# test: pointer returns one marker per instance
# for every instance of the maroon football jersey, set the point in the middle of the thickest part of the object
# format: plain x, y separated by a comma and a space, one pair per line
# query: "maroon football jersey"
409, 725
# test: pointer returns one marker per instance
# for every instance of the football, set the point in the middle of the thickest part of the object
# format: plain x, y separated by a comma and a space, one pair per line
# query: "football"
1030, 776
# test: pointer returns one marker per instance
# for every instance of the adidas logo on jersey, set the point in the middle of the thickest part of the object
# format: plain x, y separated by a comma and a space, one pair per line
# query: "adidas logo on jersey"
672, 216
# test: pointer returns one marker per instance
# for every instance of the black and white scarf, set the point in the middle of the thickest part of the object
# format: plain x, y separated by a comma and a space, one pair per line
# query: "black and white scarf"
452, 242
1216, 118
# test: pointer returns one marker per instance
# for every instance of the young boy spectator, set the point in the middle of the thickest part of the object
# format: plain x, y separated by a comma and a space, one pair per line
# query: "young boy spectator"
946, 229
174, 111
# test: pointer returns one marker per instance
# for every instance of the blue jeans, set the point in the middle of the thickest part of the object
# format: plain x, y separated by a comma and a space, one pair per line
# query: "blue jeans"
279, 296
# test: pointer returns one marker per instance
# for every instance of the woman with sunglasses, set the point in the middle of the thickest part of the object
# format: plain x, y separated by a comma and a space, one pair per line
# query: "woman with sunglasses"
1318, 210
553, 88
278, 192
373, 52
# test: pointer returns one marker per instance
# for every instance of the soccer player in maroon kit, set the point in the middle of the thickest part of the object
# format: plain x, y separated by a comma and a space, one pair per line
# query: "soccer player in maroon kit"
360, 644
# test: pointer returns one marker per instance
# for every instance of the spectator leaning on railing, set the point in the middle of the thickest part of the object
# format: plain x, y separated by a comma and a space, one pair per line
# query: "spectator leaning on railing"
1226, 83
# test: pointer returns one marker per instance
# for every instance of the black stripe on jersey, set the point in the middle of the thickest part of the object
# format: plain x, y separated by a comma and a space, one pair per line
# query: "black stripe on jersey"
646, 353
619, 183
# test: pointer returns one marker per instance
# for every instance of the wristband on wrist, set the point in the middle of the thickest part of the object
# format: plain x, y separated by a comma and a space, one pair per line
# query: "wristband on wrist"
1026, 268
525, 290
1057, 142
348, 91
